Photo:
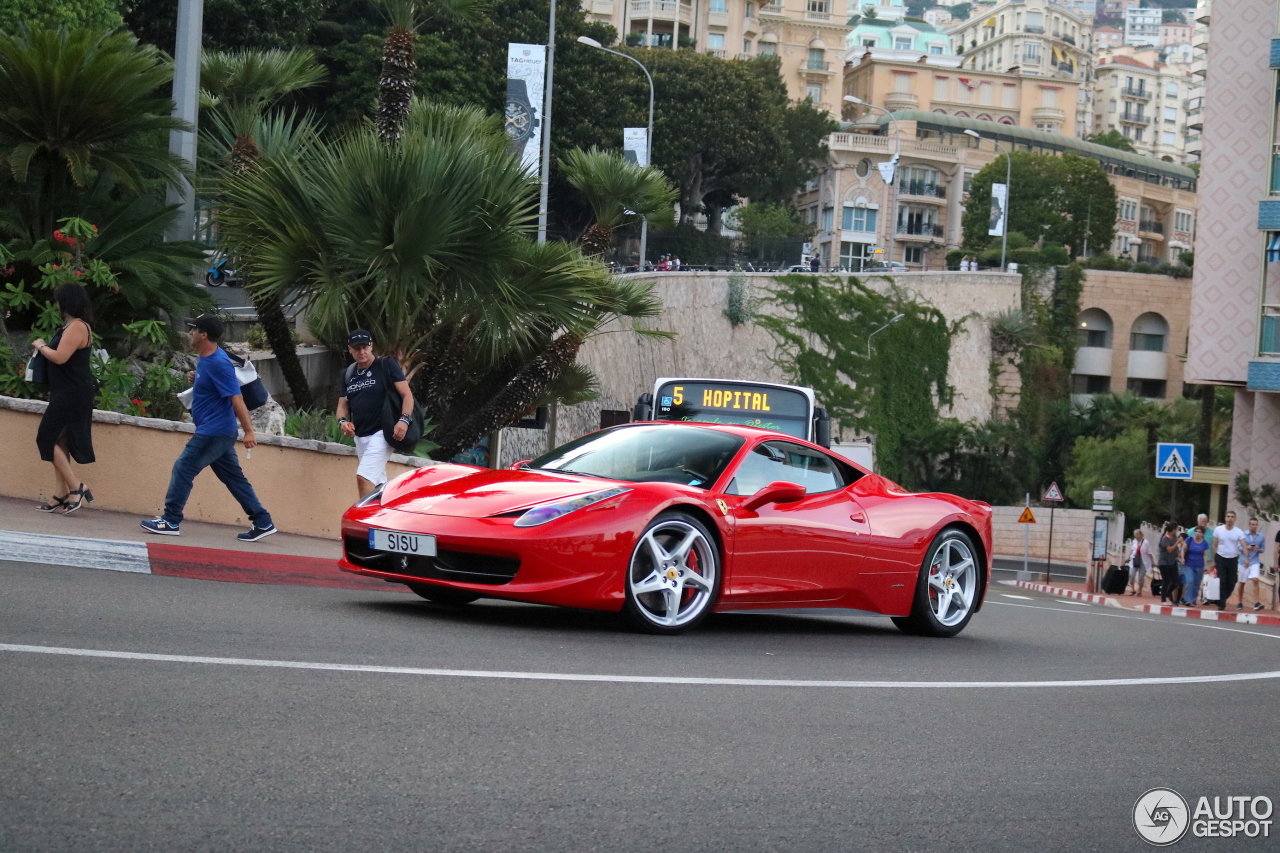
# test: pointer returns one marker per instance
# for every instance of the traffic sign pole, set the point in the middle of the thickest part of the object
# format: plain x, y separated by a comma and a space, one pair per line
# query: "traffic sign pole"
1049, 559
1026, 547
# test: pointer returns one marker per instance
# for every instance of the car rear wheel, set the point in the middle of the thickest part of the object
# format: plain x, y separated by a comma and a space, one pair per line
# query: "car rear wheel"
674, 575
443, 595
947, 589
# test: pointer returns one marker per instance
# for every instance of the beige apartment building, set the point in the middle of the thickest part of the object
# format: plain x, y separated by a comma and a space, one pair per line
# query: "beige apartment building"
806, 35
1150, 104
938, 84
1034, 37
853, 207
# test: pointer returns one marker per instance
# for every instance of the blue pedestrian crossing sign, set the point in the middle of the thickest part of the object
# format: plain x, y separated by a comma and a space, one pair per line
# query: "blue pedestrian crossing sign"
1174, 461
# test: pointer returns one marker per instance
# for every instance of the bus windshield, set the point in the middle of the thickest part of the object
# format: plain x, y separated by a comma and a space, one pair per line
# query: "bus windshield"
758, 404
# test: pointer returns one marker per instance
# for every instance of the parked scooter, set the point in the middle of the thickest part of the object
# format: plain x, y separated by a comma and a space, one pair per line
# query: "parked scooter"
220, 274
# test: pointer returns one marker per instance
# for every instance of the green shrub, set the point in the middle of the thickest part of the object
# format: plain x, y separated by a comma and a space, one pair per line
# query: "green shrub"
954, 257
1055, 253
315, 425
159, 389
1187, 259
1025, 257
1143, 267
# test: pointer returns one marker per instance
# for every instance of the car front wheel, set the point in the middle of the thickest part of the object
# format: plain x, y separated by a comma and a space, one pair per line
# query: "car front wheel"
947, 589
674, 575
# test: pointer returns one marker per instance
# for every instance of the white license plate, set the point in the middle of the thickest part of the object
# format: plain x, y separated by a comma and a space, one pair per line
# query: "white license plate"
418, 544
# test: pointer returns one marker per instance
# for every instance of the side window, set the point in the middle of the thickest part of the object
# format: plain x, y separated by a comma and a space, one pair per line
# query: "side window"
772, 461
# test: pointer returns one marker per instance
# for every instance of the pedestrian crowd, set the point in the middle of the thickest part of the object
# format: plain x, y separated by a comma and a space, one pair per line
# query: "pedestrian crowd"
1203, 566
375, 407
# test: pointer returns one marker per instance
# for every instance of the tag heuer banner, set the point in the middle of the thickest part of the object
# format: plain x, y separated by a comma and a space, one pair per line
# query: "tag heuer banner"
999, 207
635, 145
526, 76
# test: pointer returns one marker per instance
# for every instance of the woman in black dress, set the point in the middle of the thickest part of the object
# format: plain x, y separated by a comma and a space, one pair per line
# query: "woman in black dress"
64, 432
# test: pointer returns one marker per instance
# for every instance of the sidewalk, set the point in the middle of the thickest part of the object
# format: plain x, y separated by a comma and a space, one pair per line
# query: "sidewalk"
98, 539
1148, 603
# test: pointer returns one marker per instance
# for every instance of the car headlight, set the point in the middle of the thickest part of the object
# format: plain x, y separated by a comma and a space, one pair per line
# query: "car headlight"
551, 511
374, 497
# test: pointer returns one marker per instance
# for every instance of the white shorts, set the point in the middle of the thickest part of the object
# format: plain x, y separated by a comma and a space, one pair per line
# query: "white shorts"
1254, 571
373, 452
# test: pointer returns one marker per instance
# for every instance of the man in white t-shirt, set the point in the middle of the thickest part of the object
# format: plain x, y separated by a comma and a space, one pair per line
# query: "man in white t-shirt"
1228, 545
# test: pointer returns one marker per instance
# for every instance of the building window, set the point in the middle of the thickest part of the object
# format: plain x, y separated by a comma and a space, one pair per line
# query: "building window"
768, 48
1182, 221
935, 49
1092, 338
813, 92
870, 41
1111, 105
746, 45
817, 59
1031, 52
1083, 384
914, 254
1150, 388
1170, 115
719, 6
820, 7
902, 43
1137, 133
1009, 96
984, 94
1144, 342
939, 88
828, 218
854, 255
858, 218
901, 82
1171, 90
749, 11
715, 41
1168, 137
1128, 210
968, 182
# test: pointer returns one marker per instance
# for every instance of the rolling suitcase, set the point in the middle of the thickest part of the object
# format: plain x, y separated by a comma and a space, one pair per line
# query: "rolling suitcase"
1115, 580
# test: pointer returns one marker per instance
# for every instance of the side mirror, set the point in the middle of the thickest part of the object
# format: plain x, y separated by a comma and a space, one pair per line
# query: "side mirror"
523, 463
775, 493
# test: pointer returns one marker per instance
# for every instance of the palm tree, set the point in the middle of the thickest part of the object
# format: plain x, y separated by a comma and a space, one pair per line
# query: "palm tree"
78, 104
618, 191
400, 56
240, 86
429, 246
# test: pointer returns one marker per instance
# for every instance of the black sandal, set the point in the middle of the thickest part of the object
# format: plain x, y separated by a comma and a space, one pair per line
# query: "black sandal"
56, 502
82, 495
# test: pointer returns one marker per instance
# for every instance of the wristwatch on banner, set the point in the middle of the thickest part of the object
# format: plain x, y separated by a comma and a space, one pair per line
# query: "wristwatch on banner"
520, 122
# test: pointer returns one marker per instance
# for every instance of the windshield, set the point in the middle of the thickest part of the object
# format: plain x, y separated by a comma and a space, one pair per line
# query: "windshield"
692, 456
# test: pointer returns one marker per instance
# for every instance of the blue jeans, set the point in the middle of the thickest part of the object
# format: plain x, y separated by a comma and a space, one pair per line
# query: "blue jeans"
219, 453
1192, 578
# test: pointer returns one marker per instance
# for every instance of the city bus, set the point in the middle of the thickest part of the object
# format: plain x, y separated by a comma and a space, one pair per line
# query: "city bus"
788, 409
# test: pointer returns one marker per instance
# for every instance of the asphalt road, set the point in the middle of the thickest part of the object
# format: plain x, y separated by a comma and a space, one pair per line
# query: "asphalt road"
177, 755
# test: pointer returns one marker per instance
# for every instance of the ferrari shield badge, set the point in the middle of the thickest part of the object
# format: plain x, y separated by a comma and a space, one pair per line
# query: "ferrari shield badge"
724, 507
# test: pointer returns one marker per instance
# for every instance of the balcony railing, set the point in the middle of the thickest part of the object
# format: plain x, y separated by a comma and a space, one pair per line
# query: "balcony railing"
716, 51
1136, 92
925, 229
1071, 40
1135, 119
772, 9
1151, 226
928, 188
817, 65
1032, 28
661, 8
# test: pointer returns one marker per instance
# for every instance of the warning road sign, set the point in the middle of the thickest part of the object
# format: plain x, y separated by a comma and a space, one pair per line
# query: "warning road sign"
1174, 461
1026, 517
1053, 493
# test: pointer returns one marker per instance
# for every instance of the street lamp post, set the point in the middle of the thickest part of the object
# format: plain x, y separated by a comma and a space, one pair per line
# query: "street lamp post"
893, 186
544, 180
1008, 193
879, 330
648, 142
186, 100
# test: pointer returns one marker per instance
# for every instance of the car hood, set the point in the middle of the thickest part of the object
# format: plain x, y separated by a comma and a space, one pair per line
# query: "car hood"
485, 493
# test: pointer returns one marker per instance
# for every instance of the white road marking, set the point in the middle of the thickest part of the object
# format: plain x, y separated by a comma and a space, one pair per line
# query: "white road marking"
1070, 601
632, 679
1171, 622
1021, 597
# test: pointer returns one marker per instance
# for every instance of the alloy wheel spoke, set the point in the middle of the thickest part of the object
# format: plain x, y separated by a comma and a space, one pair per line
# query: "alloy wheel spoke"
656, 551
681, 551
673, 603
938, 582
693, 579
654, 582
944, 604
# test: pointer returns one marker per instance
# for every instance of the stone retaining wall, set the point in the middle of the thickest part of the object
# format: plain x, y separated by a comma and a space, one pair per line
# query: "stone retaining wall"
305, 485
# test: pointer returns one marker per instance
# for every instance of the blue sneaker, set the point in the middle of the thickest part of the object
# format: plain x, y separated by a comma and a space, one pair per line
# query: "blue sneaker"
256, 533
160, 527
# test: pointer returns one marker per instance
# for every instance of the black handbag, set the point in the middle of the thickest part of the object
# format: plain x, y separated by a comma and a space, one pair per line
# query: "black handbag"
39, 367
391, 414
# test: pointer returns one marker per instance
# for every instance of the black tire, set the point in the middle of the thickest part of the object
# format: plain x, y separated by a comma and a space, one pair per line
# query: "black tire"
941, 580
443, 595
688, 577
214, 279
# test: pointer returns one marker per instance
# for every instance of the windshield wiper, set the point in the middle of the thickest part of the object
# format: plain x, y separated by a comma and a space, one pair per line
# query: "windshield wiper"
579, 473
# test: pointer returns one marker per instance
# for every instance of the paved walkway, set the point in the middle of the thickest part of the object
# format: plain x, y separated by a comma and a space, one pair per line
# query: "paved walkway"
100, 539
1148, 603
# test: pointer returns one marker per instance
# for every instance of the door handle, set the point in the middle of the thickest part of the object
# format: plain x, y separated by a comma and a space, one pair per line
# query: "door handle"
859, 517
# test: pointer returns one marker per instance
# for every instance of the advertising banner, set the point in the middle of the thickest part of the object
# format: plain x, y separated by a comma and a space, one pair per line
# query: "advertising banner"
635, 145
526, 77
999, 207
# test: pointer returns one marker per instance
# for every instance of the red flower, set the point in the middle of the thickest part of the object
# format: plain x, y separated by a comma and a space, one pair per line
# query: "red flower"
79, 272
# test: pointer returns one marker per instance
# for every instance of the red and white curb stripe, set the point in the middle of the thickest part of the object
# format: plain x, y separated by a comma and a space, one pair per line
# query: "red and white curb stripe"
183, 561
1242, 617
1068, 593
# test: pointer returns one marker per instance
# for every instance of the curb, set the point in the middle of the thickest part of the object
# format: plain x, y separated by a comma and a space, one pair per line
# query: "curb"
1241, 617
182, 561
1068, 593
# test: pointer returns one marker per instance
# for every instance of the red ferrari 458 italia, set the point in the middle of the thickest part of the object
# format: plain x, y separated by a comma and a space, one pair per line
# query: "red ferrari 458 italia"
668, 522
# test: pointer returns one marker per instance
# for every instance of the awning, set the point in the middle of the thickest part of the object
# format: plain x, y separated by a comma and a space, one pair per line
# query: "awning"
1273, 247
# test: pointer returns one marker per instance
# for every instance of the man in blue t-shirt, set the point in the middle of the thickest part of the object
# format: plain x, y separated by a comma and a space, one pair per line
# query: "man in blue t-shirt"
216, 405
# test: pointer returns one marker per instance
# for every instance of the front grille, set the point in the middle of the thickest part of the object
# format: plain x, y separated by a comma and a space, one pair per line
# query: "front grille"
462, 566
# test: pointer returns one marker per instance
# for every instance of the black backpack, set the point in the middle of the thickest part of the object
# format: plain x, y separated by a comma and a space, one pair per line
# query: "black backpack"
392, 406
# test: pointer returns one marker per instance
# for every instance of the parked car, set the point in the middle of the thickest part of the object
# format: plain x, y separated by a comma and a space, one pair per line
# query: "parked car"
886, 266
